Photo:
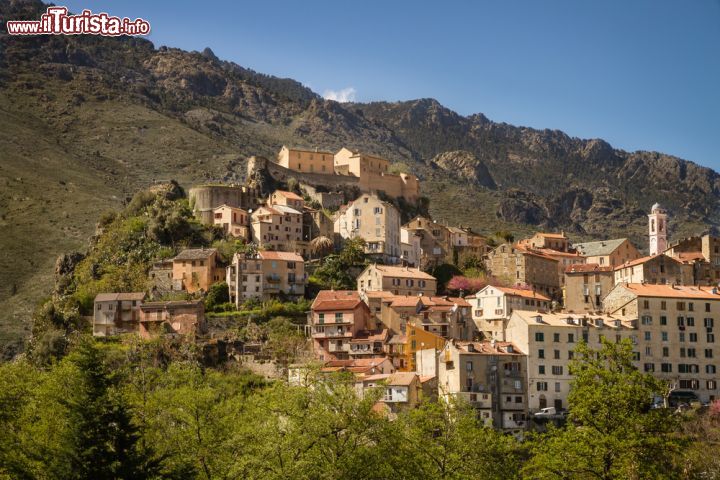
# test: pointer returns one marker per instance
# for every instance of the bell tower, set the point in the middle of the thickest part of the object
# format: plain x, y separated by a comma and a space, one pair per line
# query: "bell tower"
657, 224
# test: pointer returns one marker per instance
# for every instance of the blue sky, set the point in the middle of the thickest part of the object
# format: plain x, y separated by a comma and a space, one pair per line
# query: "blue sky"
643, 75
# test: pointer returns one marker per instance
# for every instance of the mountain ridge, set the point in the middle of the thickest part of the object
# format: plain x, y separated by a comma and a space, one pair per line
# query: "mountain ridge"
87, 121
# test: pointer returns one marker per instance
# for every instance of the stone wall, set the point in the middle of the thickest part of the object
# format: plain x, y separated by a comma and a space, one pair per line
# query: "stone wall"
204, 198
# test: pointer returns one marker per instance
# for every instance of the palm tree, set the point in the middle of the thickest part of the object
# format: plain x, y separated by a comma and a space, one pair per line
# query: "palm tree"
321, 246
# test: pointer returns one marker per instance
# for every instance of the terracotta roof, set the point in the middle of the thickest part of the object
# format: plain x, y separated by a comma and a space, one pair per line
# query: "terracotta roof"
274, 255
560, 319
288, 195
519, 292
687, 257
534, 253
327, 300
398, 340
374, 377
599, 248
265, 209
401, 378
378, 294
402, 272
426, 378
171, 304
676, 291
115, 297
429, 302
488, 347
588, 267
642, 260
195, 254
367, 336
557, 253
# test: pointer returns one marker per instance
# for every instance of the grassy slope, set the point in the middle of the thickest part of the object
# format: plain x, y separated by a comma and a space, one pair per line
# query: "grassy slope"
57, 176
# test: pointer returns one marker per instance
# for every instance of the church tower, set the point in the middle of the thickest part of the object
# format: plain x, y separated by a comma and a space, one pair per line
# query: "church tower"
657, 223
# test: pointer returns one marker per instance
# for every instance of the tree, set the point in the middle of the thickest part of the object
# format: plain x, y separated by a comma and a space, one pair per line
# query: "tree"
611, 432
217, 294
446, 440
321, 246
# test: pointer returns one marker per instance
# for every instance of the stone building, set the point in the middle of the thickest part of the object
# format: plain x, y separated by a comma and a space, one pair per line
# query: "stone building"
186, 318
585, 287
491, 377
492, 307
522, 267
656, 269
395, 279
608, 252
267, 274
196, 269
116, 313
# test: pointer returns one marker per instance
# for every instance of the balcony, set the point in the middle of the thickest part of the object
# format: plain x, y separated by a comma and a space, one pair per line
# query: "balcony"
332, 333
272, 279
271, 287
334, 348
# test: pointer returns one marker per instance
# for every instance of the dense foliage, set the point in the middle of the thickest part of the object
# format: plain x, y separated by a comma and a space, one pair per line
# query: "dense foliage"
127, 409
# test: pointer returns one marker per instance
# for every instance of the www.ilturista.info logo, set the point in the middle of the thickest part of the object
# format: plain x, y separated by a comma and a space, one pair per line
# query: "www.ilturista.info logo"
56, 21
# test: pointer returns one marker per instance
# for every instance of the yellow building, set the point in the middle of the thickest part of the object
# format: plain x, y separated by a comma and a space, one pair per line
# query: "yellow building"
196, 269
358, 164
549, 341
403, 346
374, 220
676, 332
305, 160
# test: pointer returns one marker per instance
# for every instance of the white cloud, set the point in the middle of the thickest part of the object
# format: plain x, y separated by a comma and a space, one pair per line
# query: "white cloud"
342, 96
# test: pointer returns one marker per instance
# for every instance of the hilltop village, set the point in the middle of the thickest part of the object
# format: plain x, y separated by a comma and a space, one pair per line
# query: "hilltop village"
435, 310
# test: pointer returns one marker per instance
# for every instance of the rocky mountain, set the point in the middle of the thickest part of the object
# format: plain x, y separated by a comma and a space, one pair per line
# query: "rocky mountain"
86, 121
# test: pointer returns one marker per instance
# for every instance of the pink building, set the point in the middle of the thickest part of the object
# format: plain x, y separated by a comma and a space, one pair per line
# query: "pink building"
336, 317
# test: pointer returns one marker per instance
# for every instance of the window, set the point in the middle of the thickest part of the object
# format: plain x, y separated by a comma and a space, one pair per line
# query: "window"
691, 353
647, 336
557, 386
321, 318
571, 355
556, 354
556, 337
663, 305
693, 337
649, 367
557, 370
708, 353
681, 336
664, 336
690, 321
468, 366
646, 304
666, 367
542, 386
709, 323
711, 384
339, 317
707, 307
571, 338
541, 369
663, 320
710, 338
541, 353
680, 306
646, 320
709, 368
691, 307
539, 337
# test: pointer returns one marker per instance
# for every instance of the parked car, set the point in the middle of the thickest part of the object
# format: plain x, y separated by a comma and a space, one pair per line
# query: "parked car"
679, 397
550, 412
